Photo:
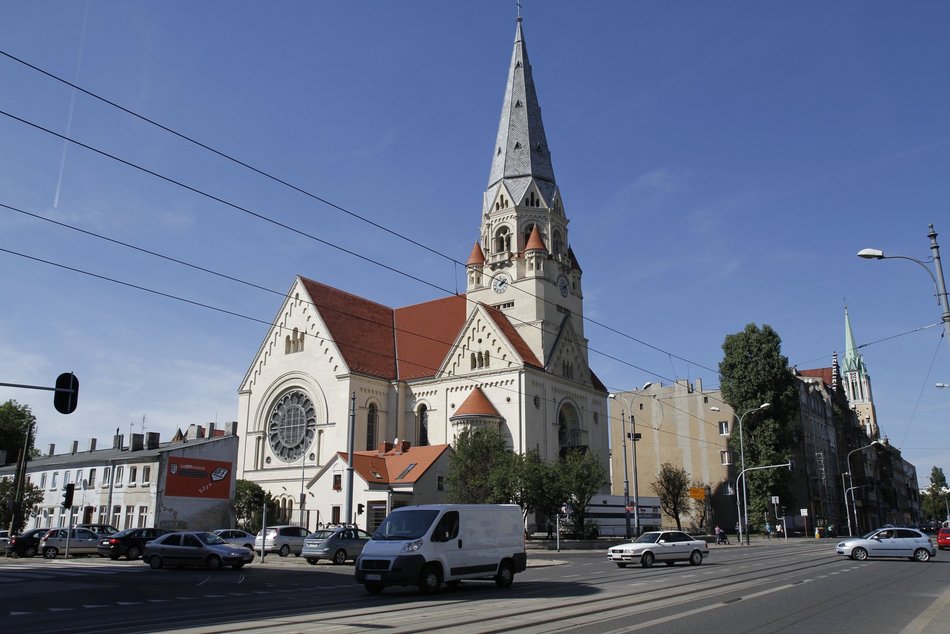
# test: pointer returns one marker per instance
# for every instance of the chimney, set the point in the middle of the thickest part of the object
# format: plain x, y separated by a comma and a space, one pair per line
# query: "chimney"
385, 447
211, 427
117, 441
137, 442
230, 428
151, 440
52, 448
403, 447
192, 432
75, 447
92, 445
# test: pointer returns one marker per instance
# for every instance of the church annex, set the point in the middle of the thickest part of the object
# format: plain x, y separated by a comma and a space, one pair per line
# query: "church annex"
510, 352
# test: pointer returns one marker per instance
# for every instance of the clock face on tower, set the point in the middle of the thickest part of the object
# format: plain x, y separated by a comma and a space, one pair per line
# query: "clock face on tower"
291, 425
500, 283
563, 286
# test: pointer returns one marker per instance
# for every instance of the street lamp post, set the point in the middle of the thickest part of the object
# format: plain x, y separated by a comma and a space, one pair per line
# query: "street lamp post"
634, 437
854, 504
844, 490
940, 285
744, 516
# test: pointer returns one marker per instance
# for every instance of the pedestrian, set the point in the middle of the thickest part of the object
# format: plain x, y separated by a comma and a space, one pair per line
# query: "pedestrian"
768, 531
550, 530
737, 530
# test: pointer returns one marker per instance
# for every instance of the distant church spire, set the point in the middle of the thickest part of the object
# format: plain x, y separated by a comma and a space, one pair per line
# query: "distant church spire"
857, 382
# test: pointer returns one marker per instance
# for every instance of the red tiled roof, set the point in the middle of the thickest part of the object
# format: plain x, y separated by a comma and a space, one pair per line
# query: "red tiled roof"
476, 404
825, 374
477, 256
425, 333
361, 329
391, 464
535, 241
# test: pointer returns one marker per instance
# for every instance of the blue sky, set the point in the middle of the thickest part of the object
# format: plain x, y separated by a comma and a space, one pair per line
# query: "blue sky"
721, 164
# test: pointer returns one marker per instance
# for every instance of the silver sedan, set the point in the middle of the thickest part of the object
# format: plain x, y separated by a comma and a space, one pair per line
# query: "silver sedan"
888, 542
666, 546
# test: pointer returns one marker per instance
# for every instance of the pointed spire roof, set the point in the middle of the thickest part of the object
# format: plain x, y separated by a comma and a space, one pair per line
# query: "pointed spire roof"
476, 405
853, 362
535, 242
521, 149
477, 257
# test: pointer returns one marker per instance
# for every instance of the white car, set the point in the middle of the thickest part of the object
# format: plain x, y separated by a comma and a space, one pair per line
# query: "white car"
888, 542
666, 546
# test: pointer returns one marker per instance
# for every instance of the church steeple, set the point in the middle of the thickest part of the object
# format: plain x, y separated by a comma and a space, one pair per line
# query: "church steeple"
521, 148
857, 382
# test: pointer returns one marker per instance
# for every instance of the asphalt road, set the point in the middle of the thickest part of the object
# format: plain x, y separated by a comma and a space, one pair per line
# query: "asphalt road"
769, 587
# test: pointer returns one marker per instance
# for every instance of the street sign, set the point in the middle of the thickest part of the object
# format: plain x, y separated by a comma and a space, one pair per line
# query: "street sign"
804, 512
774, 499
697, 493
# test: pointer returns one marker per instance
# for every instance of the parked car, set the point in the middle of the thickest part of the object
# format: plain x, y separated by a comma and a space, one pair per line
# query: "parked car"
943, 538
888, 542
281, 539
27, 543
337, 544
194, 549
129, 543
99, 529
654, 546
236, 537
81, 542
4, 540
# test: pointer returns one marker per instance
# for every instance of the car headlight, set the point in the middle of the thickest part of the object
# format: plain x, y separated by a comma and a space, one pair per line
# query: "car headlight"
412, 547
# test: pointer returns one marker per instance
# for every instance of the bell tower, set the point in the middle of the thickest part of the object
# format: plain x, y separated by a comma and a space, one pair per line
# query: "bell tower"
523, 263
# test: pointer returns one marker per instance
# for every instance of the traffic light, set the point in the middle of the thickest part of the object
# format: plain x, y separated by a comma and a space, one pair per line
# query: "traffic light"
67, 393
68, 495
359, 509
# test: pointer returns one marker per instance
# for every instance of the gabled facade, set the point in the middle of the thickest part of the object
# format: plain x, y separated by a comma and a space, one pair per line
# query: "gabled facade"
510, 352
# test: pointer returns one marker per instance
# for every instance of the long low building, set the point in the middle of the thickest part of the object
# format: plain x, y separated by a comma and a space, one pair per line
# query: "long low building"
187, 482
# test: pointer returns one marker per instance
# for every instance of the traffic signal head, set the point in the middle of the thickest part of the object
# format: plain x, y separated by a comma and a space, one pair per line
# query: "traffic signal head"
68, 495
67, 393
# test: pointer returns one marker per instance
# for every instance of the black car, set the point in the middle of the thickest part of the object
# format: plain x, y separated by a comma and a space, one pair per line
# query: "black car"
129, 543
26, 544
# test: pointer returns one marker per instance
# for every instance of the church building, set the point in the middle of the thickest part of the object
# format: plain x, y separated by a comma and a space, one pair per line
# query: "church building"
510, 352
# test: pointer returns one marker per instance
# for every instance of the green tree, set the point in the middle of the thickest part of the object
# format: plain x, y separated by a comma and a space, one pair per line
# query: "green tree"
935, 494
581, 476
672, 487
15, 419
537, 487
482, 469
754, 371
249, 500
29, 504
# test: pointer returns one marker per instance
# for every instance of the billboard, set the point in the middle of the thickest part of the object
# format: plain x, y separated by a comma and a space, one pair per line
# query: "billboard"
196, 478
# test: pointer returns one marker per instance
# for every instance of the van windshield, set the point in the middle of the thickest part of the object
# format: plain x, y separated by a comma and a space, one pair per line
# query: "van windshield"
405, 525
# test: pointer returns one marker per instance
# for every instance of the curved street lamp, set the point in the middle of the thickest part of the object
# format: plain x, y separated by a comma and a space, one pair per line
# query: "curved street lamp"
634, 437
940, 286
744, 516
854, 505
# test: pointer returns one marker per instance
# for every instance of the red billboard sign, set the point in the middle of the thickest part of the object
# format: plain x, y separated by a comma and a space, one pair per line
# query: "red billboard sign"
196, 478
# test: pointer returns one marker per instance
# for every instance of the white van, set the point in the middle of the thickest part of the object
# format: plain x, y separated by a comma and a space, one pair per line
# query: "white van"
431, 544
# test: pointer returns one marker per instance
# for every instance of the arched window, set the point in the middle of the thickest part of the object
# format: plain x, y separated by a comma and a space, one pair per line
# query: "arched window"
372, 427
473, 360
502, 240
423, 425
558, 243
569, 432
287, 349
486, 358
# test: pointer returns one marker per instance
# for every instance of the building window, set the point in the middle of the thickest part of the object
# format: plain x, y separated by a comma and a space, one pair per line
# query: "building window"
133, 476
146, 476
43, 481
723, 428
335, 515
423, 426
502, 240
103, 515
372, 425
337, 482
440, 483
118, 477
92, 478
143, 516
52, 485
725, 456
66, 475
79, 482
116, 515
129, 516
106, 476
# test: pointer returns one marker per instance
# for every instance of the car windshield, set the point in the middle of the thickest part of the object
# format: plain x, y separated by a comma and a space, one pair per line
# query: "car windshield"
647, 538
406, 524
211, 539
123, 533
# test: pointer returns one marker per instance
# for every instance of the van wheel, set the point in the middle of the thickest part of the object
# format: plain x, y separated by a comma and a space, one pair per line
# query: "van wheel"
505, 575
284, 550
373, 588
339, 557
431, 579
